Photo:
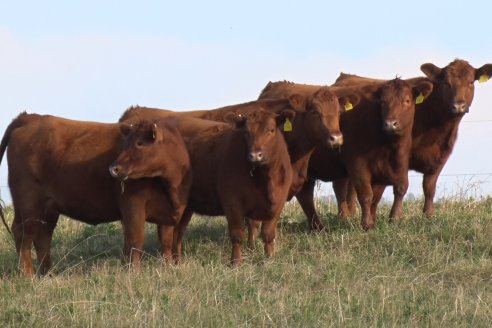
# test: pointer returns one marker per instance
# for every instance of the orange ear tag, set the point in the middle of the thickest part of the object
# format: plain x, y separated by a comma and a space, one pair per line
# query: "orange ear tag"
420, 99
483, 78
348, 106
287, 125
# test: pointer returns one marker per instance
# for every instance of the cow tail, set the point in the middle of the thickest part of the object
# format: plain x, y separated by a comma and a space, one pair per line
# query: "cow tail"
16, 123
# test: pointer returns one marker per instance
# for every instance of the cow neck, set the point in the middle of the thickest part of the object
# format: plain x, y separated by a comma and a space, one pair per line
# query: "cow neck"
299, 141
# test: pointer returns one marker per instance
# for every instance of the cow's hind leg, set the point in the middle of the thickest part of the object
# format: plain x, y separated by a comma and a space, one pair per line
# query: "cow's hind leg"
377, 193
365, 196
28, 227
340, 187
166, 235
253, 227
269, 233
42, 241
23, 235
305, 197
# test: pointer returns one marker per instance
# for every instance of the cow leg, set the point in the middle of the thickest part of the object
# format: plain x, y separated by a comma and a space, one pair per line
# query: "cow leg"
399, 192
268, 234
42, 242
253, 226
351, 199
134, 240
23, 236
133, 221
377, 193
305, 197
365, 197
429, 186
166, 235
179, 232
236, 233
340, 188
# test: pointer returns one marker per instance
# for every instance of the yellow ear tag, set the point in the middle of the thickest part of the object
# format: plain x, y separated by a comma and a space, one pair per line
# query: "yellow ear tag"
483, 78
420, 99
348, 106
287, 125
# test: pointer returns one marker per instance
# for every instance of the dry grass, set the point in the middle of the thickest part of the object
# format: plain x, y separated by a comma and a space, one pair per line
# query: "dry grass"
416, 272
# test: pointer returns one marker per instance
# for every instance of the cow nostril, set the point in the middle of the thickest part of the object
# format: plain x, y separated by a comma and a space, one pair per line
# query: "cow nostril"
260, 155
114, 170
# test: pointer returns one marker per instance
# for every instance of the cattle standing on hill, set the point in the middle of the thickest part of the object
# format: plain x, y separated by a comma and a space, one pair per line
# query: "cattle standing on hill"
436, 123
59, 166
376, 135
240, 172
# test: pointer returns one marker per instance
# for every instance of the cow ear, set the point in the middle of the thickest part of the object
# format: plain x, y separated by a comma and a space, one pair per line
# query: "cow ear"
125, 129
431, 71
422, 90
298, 102
348, 102
238, 120
287, 115
157, 134
483, 73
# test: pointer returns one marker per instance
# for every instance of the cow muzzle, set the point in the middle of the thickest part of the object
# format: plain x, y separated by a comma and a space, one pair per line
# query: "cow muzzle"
391, 126
256, 157
335, 140
459, 108
115, 171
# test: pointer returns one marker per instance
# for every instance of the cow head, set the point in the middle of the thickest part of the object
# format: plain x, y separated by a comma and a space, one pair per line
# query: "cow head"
146, 147
397, 99
261, 132
455, 83
321, 115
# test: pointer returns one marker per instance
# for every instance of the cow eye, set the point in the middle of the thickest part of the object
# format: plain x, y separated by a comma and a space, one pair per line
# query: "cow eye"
139, 144
272, 130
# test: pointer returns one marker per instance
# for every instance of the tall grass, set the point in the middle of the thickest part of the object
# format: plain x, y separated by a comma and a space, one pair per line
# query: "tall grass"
413, 273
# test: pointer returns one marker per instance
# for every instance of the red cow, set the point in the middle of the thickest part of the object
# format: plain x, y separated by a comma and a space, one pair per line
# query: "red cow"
316, 123
376, 146
59, 166
436, 123
240, 172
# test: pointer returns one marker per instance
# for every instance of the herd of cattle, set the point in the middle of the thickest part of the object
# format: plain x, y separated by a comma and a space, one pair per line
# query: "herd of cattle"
242, 161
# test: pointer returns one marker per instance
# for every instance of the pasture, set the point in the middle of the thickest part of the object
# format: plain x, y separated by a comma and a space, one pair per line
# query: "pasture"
413, 273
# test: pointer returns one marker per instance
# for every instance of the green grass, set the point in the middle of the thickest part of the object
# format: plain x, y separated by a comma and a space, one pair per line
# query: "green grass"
414, 273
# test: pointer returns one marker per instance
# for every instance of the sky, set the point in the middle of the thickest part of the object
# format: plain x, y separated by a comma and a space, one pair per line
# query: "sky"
90, 60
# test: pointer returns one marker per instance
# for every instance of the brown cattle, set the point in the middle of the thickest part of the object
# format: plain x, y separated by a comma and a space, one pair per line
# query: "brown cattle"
316, 123
376, 146
436, 121
240, 172
60, 166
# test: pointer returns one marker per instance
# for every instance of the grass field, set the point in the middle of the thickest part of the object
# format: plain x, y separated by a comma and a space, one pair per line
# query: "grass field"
415, 273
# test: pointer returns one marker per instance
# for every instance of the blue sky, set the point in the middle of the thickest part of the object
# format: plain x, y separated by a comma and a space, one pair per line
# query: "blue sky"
90, 60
